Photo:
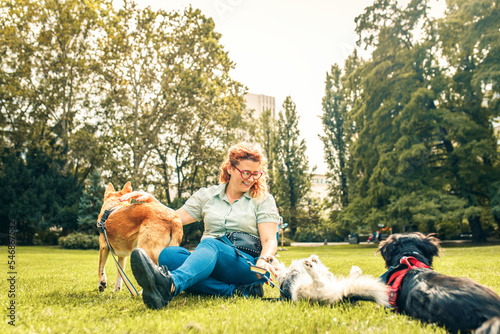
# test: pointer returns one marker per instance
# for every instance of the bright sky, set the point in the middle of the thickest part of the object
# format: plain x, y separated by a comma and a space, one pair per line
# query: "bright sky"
284, 48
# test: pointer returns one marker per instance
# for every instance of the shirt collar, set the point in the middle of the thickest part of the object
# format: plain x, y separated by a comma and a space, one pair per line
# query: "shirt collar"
221, 192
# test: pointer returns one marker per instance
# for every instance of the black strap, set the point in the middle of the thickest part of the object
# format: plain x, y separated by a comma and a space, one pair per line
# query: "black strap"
264, 274
101, 225
226, 240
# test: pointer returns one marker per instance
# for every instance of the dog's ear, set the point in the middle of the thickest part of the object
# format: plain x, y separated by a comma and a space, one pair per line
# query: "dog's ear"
109, 189
386, 249
432, 246
127, 188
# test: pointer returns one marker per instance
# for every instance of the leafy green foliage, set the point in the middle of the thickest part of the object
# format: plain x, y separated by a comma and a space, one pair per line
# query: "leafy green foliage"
90, 204
48, 74
38, 194
266, 137
336, 127
423, 155
170, 98
141, 95
292, 181
79, 241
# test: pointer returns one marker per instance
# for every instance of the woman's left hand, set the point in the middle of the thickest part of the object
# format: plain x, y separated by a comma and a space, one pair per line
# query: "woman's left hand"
138, 196
267, 233
269, 267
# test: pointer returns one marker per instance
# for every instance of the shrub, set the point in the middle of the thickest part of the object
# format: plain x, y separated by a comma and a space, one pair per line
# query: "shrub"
286, 242
314, 234
48, 237
79, 241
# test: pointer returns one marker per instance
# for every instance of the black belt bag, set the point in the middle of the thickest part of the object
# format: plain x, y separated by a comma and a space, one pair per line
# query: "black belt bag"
245, 242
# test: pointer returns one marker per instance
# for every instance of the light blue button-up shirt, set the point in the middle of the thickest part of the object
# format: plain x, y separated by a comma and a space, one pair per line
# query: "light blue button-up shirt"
220, 217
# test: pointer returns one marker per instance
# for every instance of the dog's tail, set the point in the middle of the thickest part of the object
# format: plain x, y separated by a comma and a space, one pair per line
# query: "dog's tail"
366, 287
491, 326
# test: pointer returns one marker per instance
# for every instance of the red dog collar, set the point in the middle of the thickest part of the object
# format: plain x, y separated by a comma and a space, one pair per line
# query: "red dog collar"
394, 281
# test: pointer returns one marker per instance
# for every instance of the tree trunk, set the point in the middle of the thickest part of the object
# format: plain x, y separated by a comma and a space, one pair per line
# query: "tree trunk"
497, 220
476, 229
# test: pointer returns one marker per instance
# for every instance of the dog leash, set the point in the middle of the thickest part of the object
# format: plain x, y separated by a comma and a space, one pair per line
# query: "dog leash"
101, 225
264, 274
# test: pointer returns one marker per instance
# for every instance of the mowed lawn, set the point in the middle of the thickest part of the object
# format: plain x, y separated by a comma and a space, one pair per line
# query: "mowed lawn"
56, 292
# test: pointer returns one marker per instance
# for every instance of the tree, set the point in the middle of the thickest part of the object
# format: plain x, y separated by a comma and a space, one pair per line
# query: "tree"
266, 136
292, 180
392, 146
49, 54
335, 123
495, 202
424, 151
143, 95
90, 204
170, 97
470, 35
37, 194
392, 91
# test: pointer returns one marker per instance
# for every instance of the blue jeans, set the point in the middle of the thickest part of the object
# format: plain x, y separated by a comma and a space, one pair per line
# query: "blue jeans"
213, 268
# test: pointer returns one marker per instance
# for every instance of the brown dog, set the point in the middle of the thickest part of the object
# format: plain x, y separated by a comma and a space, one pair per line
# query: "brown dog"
150, 226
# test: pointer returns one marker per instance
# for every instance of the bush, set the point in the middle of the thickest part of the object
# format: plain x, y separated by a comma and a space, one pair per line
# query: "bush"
314, 234
79, 241
49, 237
286, 242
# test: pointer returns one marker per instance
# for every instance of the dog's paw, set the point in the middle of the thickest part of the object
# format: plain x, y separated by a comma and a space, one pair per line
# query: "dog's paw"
309, 264
102, 286
311, 268
314, 259
356, 271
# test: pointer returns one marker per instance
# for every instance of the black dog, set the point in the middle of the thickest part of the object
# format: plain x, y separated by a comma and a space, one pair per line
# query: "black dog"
459, 304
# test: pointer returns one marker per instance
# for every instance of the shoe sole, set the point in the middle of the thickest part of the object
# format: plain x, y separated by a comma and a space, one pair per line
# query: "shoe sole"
139, 262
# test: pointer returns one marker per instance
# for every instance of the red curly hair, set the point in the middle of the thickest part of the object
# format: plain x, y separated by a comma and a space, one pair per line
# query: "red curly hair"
245, 151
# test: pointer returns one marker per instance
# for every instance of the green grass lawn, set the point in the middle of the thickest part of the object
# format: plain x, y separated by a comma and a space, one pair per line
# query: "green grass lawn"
56, 292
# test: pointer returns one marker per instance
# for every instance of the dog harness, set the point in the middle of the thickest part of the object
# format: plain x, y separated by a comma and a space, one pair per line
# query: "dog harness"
101, 226
397, 274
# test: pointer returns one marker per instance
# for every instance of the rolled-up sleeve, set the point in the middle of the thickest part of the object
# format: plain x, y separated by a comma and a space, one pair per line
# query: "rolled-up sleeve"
194, 205
267, 212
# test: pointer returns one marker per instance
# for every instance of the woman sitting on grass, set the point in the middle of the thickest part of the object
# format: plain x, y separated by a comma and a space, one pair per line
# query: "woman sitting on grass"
239, 203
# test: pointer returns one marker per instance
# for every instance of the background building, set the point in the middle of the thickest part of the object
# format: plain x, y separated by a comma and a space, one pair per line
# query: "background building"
259, 103
319, 186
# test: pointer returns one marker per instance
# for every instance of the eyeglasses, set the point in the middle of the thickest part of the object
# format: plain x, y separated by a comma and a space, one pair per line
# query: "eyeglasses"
246, 174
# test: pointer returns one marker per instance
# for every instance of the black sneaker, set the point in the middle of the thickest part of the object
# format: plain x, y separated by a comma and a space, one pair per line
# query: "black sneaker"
155, 281
251, 290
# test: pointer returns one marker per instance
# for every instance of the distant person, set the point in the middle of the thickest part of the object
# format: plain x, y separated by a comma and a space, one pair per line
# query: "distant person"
280, 229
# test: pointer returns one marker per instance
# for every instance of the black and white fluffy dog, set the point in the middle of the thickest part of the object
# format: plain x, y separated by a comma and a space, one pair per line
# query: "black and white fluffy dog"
459, 304
311, 280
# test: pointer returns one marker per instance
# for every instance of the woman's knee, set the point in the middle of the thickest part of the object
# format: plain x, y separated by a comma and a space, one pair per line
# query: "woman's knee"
210, 242
173, 257
212, 246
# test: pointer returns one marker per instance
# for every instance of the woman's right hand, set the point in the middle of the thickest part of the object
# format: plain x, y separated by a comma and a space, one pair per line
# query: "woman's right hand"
139, 196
